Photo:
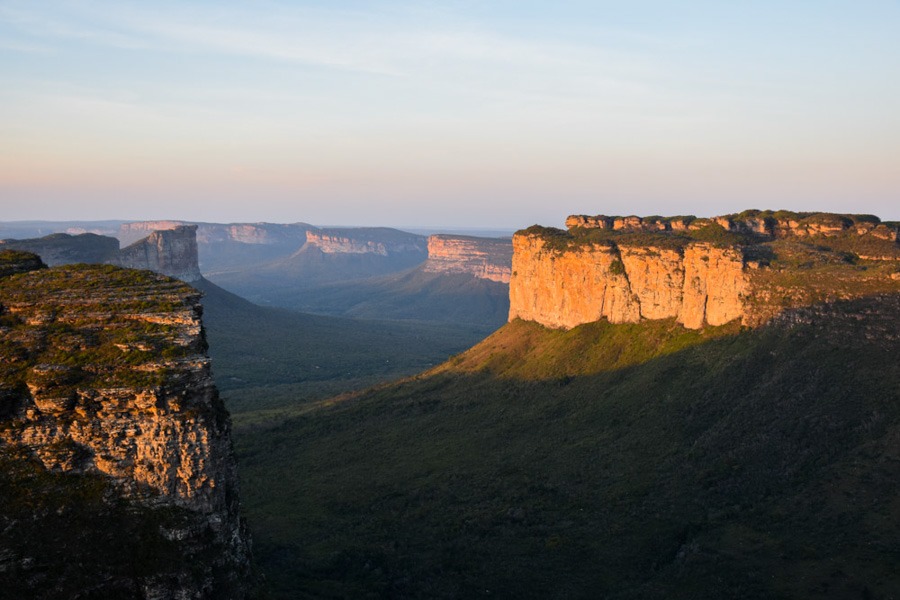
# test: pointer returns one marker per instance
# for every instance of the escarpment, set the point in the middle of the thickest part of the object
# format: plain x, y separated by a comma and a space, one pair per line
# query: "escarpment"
484, 258
109, 415
172, 252
700, 272
378, 241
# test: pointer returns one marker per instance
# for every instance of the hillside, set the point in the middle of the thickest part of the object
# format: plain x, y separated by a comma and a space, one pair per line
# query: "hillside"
416, 294
464, 281
623, 461
329, 255
270, 358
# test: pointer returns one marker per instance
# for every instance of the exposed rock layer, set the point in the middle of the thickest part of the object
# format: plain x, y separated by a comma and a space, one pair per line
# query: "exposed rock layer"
104, 371
485, 258
701, 285
379, 241
698, 271
171, 252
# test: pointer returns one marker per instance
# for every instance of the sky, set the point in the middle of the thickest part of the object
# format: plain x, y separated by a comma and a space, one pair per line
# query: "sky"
468, 113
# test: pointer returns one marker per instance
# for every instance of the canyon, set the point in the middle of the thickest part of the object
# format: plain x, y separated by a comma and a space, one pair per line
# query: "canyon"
747, 267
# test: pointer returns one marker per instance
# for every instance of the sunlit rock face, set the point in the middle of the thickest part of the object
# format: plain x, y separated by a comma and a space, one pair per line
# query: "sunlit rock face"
104, 372
377, 240
701, 285
485, 258
746, 267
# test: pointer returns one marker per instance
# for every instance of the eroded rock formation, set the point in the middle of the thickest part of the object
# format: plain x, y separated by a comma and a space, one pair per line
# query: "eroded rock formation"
172, 252
379, 241
485, 258
104, 374
699, 271
699, 285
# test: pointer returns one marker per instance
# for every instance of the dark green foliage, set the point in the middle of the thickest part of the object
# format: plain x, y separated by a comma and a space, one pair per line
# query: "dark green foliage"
719, 236
64, 535
636, 461
617, 267
459, 299
268, 358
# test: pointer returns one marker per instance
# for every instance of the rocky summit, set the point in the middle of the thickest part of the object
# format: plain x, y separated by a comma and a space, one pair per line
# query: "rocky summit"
119, 476
749, 266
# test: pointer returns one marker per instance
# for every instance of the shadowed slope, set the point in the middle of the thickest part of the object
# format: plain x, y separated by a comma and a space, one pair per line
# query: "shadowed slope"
753, 464
269, 358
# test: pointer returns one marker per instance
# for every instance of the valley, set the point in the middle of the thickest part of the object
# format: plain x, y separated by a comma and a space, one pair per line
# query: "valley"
633, 407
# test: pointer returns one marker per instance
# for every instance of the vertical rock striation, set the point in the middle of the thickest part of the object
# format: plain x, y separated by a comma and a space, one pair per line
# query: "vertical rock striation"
746, 267
104, 374
484, 258
698, 284
172, 252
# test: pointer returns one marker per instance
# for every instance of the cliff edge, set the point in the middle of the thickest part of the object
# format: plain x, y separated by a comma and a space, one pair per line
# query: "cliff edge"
484, 258
749, 266
115, 445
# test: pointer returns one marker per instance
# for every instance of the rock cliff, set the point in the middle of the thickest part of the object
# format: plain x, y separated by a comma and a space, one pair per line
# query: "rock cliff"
700, 272
171, 252
484, 258
379, 241
131, 232
104, 379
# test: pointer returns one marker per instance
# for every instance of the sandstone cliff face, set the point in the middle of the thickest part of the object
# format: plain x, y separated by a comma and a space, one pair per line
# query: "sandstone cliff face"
698, 285
377, 241
213, 233
748, 267
104, 372
170, 252
485, 258
132, 232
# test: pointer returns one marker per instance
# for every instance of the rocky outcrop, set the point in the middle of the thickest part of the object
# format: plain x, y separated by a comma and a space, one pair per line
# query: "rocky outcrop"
104, 374
747, 267
131, 232
379, 241
170, 252
697, 285
484, 258
770, 224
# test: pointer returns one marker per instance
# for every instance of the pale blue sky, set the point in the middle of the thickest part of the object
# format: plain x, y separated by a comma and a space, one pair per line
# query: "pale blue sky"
468, 113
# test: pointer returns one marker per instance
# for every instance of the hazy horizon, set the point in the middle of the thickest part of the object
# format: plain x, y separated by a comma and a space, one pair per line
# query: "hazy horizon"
418, 115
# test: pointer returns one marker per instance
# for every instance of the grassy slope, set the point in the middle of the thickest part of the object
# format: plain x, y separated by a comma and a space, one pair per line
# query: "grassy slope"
574, 464
267, 358
282, 281
414, 294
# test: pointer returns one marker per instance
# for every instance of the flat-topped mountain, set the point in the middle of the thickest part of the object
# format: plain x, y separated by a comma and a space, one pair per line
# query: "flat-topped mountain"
706, 412
172, 252
748, 266
118, 474
485, 258
64, 249
464, 280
